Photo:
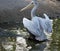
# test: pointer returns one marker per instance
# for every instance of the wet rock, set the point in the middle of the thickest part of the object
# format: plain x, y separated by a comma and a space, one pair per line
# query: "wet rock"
8, 47
21, 44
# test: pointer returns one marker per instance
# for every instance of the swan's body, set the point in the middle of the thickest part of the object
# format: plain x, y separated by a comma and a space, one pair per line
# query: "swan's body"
38, 25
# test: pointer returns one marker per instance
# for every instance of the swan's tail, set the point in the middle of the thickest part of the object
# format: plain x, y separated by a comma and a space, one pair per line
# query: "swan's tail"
47, 17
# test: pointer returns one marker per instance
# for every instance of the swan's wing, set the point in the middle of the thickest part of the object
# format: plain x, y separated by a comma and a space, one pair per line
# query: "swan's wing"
34, 27
38, 22
31, 26
27, 23
40, 35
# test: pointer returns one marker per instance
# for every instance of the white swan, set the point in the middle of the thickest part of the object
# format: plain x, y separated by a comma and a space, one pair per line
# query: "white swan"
37, 25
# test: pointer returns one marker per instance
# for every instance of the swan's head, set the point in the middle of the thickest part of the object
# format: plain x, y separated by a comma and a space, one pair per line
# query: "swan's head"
32, 3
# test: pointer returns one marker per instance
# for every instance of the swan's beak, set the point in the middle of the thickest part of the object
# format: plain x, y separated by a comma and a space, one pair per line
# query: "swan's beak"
27, 7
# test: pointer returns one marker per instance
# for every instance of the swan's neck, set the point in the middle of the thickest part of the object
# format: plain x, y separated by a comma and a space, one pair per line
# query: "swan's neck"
33, 11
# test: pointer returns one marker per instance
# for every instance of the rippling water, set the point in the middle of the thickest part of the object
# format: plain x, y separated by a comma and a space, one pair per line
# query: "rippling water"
11, 44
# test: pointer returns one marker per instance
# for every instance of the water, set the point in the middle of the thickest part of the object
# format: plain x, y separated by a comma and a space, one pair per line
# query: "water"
11, 43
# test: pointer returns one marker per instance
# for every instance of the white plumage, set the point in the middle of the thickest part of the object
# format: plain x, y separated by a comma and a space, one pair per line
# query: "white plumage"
37, 25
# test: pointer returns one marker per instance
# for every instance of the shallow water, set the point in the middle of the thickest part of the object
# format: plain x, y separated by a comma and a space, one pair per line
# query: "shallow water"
10, 44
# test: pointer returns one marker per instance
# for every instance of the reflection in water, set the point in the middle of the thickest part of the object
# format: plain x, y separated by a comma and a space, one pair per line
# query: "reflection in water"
22, 44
